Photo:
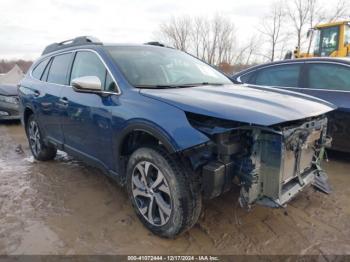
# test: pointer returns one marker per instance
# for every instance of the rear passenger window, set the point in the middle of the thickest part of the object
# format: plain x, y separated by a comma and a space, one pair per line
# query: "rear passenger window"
283, 75
39, 69
328, 76
59, 69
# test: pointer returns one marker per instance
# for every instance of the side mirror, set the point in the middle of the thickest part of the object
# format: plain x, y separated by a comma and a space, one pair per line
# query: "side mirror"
87, 84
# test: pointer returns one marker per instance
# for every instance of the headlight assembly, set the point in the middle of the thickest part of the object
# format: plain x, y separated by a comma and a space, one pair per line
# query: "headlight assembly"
9, 99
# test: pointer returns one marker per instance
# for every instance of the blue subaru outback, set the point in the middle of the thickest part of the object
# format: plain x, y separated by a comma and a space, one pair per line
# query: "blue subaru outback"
171, 128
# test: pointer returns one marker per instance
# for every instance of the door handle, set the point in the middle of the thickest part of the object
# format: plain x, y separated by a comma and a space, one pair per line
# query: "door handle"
36, 93
64, 100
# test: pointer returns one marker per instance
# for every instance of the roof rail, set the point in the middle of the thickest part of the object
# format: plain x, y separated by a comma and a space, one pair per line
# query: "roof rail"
81, 40
156, 44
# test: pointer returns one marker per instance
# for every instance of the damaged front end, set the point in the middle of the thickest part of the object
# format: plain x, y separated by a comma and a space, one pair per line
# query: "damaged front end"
271, 164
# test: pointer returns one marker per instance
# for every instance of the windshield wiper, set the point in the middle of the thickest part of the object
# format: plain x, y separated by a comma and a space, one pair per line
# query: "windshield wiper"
178, 86
206, 84
164, 86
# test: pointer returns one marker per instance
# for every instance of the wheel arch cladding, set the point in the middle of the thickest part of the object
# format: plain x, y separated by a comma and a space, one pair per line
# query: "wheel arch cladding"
27, 112
144, 134
160, 119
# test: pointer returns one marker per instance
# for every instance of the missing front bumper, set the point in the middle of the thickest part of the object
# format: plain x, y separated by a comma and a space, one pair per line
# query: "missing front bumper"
286, 164
272, 165
289, 191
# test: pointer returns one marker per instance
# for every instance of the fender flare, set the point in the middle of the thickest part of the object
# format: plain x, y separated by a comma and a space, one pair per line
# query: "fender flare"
147, 127
23, 116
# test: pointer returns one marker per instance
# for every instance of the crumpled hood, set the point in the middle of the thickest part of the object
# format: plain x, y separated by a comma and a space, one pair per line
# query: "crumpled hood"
239, 103
8, 90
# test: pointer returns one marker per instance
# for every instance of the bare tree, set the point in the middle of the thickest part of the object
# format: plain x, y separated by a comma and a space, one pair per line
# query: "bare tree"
245, 53
209, 39
177, 32
315, 14
199, 35
223, 33
340, 11
298, 13
272, 28
283, 46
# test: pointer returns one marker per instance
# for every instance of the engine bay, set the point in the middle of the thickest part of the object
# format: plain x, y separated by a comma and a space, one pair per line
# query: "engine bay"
270, 164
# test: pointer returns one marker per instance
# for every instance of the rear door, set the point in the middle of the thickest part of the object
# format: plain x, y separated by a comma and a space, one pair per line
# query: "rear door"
87, 124
50, 108
331, 82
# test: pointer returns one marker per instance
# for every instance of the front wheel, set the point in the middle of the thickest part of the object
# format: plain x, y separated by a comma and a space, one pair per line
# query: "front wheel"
161, 192
39, 149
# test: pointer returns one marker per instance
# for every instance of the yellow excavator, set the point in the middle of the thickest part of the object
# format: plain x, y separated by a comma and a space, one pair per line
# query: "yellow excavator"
331, 39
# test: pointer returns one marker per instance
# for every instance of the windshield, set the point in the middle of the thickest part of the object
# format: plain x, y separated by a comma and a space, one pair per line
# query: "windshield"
150, 66
327, 39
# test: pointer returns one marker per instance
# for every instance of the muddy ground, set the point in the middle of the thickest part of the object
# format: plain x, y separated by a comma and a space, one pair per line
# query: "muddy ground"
66, 207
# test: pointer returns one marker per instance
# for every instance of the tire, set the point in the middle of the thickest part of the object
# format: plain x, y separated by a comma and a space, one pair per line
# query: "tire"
176, 200
39, 149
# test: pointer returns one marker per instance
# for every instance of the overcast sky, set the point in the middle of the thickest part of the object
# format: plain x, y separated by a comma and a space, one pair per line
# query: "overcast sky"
27, 26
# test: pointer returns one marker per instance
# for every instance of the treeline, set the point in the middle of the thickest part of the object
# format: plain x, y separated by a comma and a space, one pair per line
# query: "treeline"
7, 65
210, 39
283, 27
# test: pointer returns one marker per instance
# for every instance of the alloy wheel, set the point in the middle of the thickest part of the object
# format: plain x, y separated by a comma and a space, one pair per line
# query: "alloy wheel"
34, 137
151, 193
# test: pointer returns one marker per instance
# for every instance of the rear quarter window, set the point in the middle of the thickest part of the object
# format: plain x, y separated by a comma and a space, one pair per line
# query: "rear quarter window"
39, 69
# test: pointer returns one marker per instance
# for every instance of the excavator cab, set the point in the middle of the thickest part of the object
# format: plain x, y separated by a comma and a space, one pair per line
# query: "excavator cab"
332, 39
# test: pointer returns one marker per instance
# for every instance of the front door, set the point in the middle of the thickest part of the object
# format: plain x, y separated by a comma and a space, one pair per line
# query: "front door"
87, 124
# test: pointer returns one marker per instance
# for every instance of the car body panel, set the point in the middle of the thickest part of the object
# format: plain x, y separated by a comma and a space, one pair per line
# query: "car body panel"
44, 100
91, 115
339, 121
238, 103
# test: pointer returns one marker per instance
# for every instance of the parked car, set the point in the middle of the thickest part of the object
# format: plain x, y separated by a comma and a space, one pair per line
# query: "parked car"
325, 78
171, 128
9, 102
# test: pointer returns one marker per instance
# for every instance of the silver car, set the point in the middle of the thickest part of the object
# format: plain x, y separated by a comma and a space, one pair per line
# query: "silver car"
9, 106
